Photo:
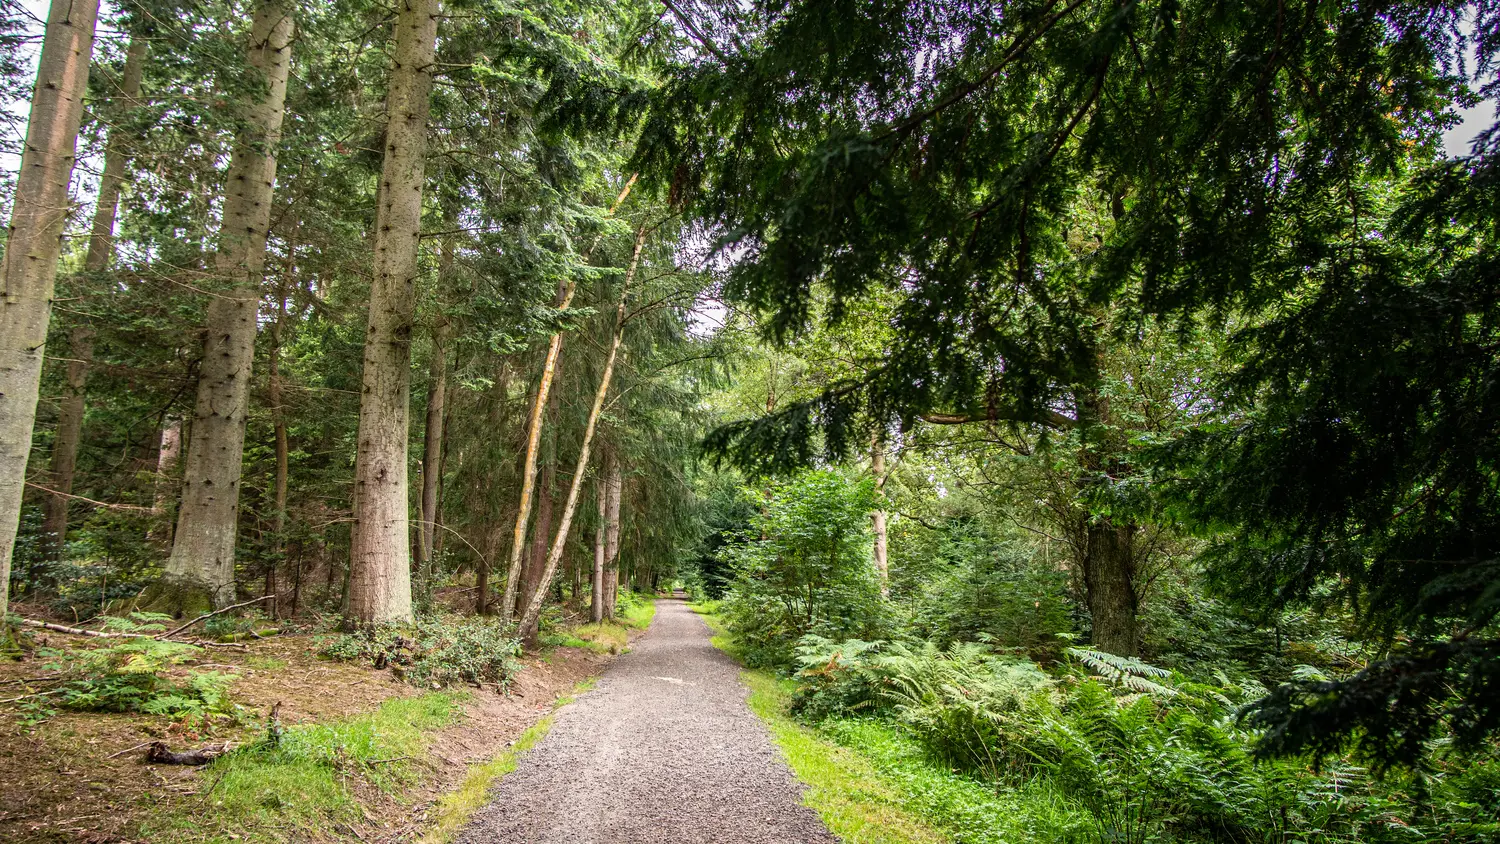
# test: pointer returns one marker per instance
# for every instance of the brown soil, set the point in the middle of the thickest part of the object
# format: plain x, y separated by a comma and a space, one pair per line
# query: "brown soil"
60, 783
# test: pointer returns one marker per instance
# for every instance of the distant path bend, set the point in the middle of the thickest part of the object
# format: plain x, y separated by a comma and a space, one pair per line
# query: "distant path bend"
663, 749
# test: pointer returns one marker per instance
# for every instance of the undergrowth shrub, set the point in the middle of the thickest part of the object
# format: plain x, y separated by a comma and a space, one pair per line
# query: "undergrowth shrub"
804, 568
131, 675
437, 649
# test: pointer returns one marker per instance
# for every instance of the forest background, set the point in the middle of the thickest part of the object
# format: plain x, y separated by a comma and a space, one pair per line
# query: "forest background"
1089, 398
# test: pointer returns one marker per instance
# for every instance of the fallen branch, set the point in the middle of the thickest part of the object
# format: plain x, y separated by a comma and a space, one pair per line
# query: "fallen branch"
127, 750
170, 633
159, 754
78, 631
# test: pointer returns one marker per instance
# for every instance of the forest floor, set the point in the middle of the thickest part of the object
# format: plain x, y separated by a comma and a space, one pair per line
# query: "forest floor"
663, 747
81, 776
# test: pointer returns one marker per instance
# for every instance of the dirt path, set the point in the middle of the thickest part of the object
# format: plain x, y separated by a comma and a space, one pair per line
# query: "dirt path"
664, 749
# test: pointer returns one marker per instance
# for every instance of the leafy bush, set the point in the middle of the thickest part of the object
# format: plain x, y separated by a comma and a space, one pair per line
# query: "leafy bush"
437, 649
982, 587
804, 567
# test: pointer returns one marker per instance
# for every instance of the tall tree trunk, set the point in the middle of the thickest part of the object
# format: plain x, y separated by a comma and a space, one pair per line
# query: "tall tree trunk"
877, 516
432, 445
81, 334
538, 596
380, 551
1109, 579
279, 429
613, 490
528, 467
29, 268
1108, 561
163, 496
596, 583
432, 432
200, 571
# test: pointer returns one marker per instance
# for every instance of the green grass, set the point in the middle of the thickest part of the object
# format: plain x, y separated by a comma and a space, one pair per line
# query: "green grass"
456, 808
873, 783
265, 793
635, 612
843, 787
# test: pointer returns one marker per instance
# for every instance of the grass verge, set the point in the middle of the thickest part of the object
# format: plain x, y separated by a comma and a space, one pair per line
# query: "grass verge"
855, 802
456, 808
307, 782
634, 612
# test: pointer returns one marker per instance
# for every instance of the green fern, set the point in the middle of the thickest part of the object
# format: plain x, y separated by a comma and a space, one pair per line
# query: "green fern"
1125, 671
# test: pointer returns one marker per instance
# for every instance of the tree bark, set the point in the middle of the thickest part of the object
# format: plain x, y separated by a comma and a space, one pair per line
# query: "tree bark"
432, 445
528, 467
201, 568
877, 516
29, 268
81, 334
538, 596
1109, 579
167, 456
380, 552
279, 430
596, 583
613, 490
1108, 557
534, 563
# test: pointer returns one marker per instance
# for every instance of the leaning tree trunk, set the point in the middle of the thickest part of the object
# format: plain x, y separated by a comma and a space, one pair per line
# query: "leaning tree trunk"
877, 516
596, 583
200, 571
29, 268
534, 564
528, 467
533, 612
81, 335
380, 551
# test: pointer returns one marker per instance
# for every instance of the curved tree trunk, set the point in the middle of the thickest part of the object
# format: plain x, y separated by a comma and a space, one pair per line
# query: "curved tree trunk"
81, 335
200, 571
380, 552
29, 268
528, 470
538, 596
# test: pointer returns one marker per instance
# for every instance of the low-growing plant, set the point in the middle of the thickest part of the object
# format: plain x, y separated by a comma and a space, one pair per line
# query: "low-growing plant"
437, 649
131, 675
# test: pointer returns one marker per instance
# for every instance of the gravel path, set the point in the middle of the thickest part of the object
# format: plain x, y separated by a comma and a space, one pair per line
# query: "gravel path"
663, 749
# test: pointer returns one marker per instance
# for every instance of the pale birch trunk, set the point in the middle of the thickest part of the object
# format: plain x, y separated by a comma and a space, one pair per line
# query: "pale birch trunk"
200, 570
380, 551
533, 611
596, 584
81, 334
877, 517
528, 470
29, 269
